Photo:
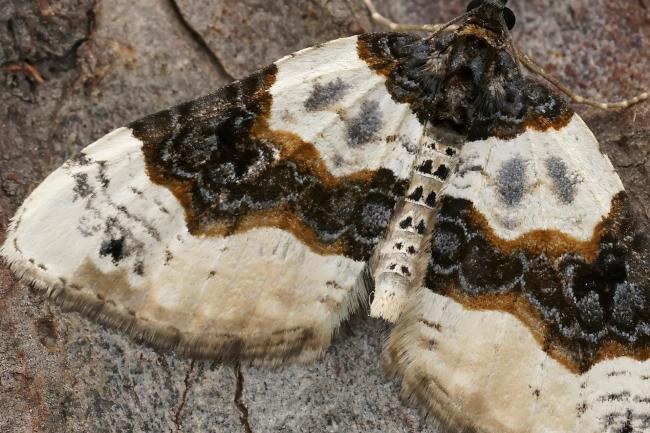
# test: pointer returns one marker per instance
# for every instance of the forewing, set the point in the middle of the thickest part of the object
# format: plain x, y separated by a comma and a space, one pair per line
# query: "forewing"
535, 311
233, 226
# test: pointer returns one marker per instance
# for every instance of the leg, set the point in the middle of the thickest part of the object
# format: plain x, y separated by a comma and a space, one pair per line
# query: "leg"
535, 68
397, 27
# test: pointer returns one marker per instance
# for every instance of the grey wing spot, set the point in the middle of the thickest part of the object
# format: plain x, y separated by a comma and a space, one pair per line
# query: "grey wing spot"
616, 396
363, 128
168, 256
462, 171
81, 187
511, 181
409, 146
79, 160
102, 178
468, 165
564, 181
324, 95
375, 215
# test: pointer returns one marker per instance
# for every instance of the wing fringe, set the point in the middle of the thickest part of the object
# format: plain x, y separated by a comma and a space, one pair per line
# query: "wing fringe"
295, 345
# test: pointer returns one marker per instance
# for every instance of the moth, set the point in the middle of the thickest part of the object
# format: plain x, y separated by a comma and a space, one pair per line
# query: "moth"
464, 197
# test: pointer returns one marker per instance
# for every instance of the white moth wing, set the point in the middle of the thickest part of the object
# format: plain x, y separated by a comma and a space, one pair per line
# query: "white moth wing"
486, 345
456, 361
479, 369
203, 291
550, 180
342, 106
148, 229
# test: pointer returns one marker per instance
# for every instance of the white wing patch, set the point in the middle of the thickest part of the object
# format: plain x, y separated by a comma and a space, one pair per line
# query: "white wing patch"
342, 106
484, 371
98, 230
550, 180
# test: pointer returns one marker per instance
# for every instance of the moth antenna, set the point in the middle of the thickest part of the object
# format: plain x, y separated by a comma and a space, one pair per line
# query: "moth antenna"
536, 69
400, 27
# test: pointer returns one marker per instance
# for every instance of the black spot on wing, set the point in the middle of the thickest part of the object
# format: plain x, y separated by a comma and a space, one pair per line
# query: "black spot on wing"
627, 427
511, 181
120, 243
581, 409
113, 248
322, 96
564, 182
465, 169
102, 178
79, 160
618, 396
138, 267
621, 422
618, 373
364, 128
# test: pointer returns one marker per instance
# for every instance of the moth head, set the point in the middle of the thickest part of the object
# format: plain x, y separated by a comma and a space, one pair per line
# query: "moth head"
491, 14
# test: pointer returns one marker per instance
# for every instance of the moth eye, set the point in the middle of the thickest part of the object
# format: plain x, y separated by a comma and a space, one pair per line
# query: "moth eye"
474, 4
509, 16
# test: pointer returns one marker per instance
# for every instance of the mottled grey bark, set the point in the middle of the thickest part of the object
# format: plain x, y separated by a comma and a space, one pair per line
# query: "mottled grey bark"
71, 70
